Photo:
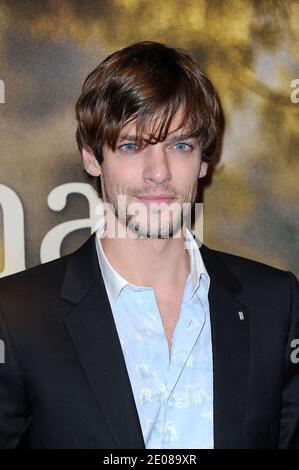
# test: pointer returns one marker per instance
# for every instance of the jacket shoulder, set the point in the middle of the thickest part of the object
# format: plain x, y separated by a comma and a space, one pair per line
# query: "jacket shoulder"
44, 277
246, 269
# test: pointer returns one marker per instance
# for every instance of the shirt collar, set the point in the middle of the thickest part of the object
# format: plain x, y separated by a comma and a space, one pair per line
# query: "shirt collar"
114, 282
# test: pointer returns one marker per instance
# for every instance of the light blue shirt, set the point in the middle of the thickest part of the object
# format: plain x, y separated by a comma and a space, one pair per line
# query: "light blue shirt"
173, 393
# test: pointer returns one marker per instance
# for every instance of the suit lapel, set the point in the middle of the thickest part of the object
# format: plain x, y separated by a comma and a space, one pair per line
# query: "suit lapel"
91, 327
230, 345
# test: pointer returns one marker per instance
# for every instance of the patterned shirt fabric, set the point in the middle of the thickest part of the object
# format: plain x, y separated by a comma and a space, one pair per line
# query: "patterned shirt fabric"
173, 391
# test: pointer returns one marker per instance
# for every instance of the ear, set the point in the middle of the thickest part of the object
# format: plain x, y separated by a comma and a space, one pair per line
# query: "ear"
203, 169
90, 163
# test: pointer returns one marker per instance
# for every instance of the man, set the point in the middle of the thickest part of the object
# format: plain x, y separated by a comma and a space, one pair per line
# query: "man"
152, 339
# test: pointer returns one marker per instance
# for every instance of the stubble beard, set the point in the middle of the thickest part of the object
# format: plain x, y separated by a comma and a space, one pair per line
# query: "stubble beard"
148, 229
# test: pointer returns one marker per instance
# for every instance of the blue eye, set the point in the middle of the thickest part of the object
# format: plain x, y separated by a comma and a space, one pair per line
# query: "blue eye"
129, 148
183, 147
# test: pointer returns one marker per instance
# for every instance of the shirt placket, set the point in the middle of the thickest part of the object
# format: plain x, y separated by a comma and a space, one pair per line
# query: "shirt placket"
187, 332
156, 352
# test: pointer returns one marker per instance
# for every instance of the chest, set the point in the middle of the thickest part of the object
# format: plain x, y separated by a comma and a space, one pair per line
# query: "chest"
169, 309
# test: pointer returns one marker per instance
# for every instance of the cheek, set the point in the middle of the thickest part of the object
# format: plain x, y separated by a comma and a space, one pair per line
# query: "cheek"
126, 176
118, 179
187, 177
187, 167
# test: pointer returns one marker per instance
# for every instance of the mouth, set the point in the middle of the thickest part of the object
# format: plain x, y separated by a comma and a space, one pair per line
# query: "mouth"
156, 198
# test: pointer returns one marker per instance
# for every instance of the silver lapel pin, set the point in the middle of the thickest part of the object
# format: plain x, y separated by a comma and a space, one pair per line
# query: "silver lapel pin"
241, 315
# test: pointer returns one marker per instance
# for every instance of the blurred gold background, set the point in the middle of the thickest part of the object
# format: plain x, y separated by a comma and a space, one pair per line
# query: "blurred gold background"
250, 50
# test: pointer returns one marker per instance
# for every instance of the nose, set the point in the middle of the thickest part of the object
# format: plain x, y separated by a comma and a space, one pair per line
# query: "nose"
156, 167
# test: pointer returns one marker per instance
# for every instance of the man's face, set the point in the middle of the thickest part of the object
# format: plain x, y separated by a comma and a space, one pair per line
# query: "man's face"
169, 168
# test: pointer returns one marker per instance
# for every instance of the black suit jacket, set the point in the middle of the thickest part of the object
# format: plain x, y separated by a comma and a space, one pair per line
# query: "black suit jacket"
64, 383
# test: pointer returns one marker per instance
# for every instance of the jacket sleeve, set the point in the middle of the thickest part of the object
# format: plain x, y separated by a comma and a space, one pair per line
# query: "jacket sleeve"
289, 422
14, 406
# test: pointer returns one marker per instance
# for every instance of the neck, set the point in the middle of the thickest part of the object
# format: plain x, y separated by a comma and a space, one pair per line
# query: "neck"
149, 262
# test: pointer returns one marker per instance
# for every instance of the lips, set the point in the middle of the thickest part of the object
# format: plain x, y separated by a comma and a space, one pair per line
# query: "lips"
156, 198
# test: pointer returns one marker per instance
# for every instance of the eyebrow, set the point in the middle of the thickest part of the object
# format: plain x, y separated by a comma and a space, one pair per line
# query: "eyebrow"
170, 140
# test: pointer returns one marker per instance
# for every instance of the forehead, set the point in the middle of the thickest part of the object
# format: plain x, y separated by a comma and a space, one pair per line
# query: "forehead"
153, 124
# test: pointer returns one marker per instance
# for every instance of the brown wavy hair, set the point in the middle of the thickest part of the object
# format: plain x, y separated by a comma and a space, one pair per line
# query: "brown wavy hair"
147, 82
